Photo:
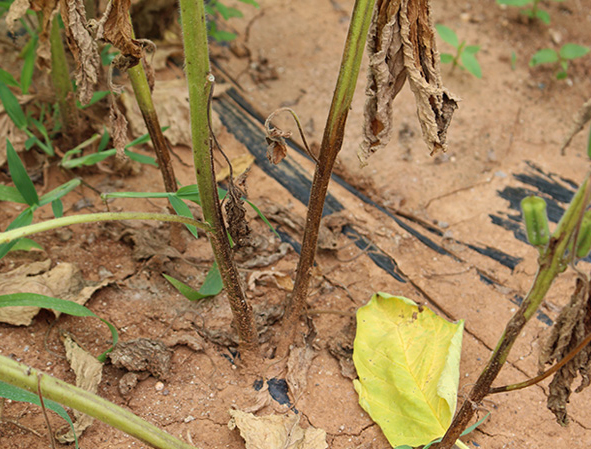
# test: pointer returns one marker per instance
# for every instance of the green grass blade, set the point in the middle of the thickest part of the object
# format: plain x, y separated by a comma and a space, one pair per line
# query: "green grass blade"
190, 193
25, 244
58, 208
17, 394
260, 214
89, 159
9, 193
69, 307
59, 192
19, 176
30, 54
8, 79
212, 285
25, 218
142, 158
12, 107
519, 3
181, 208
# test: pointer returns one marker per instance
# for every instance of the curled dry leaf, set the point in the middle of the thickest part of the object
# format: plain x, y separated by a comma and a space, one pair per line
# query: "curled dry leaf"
581, 118
274, 431
48, 10
236, 213
17, 9
115, 28
83, 47
118, 128
277, 148
88, 372
571, 328
142, 354
401, 46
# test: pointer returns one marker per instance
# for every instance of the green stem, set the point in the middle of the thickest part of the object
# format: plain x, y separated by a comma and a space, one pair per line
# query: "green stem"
92, 218
62, 85
200, 82
22, 376
331, 145
551, 264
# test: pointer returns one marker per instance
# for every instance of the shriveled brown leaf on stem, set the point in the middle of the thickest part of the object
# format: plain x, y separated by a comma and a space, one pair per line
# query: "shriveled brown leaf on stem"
236, 213
572, 326
83, 47
401, 46
581, 118
48, 9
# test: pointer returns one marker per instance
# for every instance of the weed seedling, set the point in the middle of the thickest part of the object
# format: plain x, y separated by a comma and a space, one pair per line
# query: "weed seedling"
561, 58
465, 56
533, 12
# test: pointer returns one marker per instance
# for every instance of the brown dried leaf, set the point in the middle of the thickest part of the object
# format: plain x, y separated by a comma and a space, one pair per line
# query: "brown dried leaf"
118, 129
63, 281
48, 8
117, 31
15, 12
298, 365
236, 213
83, 47
277, 148
401, 45
88, 372
571, 327
581, 118
142, 354
282, 280
273, 431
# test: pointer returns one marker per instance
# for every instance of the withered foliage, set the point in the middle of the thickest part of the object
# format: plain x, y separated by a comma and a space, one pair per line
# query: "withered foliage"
401, 46
581, 118
571, 328
276, 146
236, 213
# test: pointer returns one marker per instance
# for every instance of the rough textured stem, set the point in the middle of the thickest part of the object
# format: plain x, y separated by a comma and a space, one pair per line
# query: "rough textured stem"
330, 147
200, 81
22, 376
551, 263
60, 79
92, 218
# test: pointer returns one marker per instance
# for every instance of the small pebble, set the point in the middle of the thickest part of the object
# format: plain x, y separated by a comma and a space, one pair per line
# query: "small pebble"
189, 418
159, 386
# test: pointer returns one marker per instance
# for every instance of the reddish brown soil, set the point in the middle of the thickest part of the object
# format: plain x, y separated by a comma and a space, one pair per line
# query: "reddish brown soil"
507, 123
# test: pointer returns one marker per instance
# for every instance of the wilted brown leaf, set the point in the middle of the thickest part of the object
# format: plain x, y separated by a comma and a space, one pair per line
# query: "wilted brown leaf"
63, 281
401, 45
17, 9
273, 431
298, 365
142, 354
236, 213
571, 328
88, 372
277, 148
115, 28
118, 128
581, 118
48, 9
83, 47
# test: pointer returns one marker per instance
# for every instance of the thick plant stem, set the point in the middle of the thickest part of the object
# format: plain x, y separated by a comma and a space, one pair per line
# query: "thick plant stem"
93, 218
200, 82
551, 264
22, 376
60, 78
329, 149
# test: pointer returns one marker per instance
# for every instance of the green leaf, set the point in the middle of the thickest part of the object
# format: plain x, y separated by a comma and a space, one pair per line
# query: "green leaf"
8, 79
561, 75
59, 192
145, 138
190, 193
260, 214
212, 285
142, 158
573, 51
104, 140
513, 60
9, 193
30, 54
96, 97
544, 16
518, 3
183, 210
69, 307
25, 218
250, 2
107, 55
17, 394
471, 64
227, 12
472, 49
58, 208
135, 195
12, 107
19, 176
89, 159
408, 362
446, 58
448, 35
47, 145
26, 245
543, 56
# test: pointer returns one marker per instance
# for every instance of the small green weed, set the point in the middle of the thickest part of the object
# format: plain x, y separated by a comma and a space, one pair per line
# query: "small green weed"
215, 8
533, 12
465, 57
561, 58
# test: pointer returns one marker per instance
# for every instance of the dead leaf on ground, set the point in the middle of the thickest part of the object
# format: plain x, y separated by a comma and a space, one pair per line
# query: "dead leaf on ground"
64, 281
341, 348
281, 280
274, 431
142, 354
17, 9
10, 132
88, 372
581, 118
83, 47
298, 365
148, 242
239, 166
571, 327
401, 46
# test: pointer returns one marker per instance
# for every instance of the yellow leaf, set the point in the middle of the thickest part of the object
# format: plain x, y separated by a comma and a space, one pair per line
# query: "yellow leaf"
407, 359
